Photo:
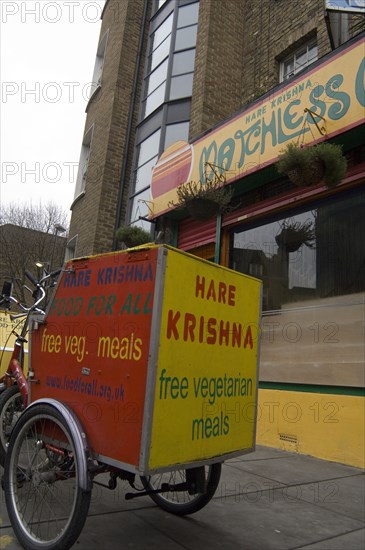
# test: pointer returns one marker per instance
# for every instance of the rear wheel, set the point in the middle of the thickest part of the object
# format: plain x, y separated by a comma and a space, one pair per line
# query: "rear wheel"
182, 502
11, 407
46, 503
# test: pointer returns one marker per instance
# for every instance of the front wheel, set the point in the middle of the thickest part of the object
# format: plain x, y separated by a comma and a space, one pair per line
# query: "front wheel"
46, 502
182, 502
11, 407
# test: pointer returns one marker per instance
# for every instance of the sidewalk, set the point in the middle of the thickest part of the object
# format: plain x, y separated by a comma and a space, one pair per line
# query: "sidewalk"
266, 500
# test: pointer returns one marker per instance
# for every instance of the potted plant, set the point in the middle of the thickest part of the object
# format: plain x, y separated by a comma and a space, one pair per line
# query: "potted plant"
294, 234
335, 163
306, 166
203, 200
132, 235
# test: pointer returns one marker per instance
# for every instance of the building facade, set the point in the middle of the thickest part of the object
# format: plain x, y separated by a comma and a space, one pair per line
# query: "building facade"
185, 89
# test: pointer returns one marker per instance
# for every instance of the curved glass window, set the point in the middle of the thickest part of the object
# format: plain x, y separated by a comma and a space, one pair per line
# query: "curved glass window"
181, 86
186, 37
160, 53
183, 62
162, 32
175, 132
144, 174
149, 147
157, 77
188, 15
155, 99
170, 69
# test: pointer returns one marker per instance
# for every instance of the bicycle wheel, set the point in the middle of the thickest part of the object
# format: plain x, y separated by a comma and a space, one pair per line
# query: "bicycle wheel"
181, 502
11, 407
46, 502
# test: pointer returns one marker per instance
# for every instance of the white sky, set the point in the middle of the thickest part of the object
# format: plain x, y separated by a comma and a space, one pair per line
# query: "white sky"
47, 59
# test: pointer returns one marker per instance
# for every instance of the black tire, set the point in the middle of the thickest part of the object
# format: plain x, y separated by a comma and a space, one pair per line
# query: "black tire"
46, 505
11, 407
182, 503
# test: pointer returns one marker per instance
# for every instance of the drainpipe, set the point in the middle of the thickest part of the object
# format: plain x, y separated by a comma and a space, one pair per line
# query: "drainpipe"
130, 121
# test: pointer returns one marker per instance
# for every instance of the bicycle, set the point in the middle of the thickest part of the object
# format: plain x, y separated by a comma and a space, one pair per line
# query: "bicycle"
13, 384
104, 347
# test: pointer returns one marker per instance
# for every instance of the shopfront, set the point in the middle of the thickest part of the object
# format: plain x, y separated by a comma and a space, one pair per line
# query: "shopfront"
312, 350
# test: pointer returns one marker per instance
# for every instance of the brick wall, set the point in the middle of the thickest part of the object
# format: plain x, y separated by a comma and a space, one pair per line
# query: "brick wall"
94, 214
218, 64
239, 46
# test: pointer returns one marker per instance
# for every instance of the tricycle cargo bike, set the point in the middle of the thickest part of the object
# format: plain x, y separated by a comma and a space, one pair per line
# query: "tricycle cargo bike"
145, 368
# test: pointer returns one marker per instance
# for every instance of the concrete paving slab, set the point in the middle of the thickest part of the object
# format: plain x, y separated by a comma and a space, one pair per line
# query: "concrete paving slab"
351, 541
268, 500
344, 496
124, 531
234, 523
295, 468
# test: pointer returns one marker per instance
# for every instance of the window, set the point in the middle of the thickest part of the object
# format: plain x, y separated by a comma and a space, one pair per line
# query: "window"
161, 42
144, 174
165, 108
312, 266
298, 60
147, 158
99, 63
181, 86
183, 62
71, 248
186, 37
307, 257
175, 132
188, 15
160, 3
84, 162
140, 209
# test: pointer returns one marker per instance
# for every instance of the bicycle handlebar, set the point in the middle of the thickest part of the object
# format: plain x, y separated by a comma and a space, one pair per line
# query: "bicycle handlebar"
31, 278
38, 294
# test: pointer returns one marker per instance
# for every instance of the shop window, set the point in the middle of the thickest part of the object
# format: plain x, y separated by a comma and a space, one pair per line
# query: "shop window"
313, 291
298, 60
306, 257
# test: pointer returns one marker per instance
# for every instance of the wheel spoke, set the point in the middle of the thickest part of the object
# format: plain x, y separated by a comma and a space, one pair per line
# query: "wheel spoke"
180, 501
45, 502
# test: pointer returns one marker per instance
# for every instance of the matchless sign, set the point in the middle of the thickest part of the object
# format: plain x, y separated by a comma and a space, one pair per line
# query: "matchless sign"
156, 351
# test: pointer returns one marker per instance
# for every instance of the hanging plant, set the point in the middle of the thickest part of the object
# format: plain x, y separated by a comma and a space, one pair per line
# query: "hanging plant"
307, 166
204, 200
294, 234
132, 235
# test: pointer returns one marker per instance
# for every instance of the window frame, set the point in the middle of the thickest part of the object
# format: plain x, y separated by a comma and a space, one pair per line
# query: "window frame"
308, 44
84, 162
99, 63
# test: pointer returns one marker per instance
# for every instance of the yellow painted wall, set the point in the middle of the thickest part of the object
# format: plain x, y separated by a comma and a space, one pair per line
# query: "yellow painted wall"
7, 339
326, 426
